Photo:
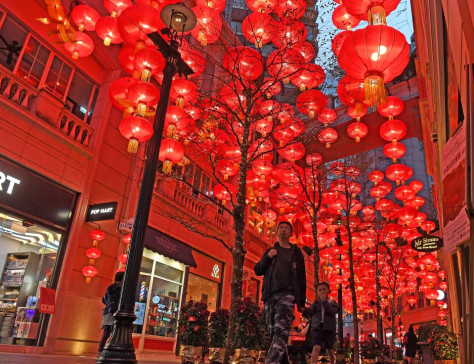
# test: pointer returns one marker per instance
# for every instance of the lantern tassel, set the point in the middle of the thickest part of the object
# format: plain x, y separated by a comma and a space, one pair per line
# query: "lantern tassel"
132, 147
374, 89
88, 280
167, 165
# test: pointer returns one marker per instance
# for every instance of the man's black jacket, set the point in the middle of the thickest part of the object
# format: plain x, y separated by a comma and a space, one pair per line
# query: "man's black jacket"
265, 268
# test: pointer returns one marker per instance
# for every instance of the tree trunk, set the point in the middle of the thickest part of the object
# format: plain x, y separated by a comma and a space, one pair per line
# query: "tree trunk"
377, 292
392, 339
316, 257
355, 319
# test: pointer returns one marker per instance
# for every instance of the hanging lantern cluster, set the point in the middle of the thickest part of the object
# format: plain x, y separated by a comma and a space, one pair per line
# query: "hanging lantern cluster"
373, 55
93, 253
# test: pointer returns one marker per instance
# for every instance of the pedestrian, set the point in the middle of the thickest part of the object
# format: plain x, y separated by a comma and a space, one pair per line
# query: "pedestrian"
111, 301
284, 285
410, 342
323, 312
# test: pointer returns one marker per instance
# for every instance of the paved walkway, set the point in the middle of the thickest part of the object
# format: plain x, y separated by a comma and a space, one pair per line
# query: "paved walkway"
15, 358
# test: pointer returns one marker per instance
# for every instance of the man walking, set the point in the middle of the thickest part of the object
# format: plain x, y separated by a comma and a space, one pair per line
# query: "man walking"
284, 285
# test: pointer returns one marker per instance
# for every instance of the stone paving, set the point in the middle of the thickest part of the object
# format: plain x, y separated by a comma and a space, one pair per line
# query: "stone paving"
16, 358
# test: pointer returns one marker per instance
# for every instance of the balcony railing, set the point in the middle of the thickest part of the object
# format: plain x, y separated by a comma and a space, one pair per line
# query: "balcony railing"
194, 206
43, 105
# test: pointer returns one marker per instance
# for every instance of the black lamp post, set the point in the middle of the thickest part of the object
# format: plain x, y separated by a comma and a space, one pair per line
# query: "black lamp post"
340, 350
120, 347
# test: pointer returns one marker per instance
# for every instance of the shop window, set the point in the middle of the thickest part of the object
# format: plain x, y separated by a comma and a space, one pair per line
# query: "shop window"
12, 39
33, 62
202, 290
28, 259
158, 295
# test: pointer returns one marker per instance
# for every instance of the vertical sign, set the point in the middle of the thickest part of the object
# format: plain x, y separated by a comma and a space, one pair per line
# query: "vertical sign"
47, 300
455, 220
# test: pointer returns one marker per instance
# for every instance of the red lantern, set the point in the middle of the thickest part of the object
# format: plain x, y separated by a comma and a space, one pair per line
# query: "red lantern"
428, 226
306, 50
357, 110
118, 92
217, 5
262, 6
407, 214
404, 193
343, 20
171, 152
136, 22
443, 285
377, 192
106, 29
149, 62
115, 7
209, 25
310, 76
338, 41
393, 130
224, 192
127, 238
376, 54
373, 11
227, 168
442, 274
262, 168
328, 136
284, 63
293, 9
283, 134
357, 130
376, 177
243, 62
420, 217
142, 95
84, 17
97, 234
416, 202
311, 102
431, 294
123, 258
89, 272
258, 28
411, 300
137, 130
82, 47
394, 151
314, 159
183, 91
292, 152
288, 33
285, 115
93, 253
416, 185
327, 116
397, 172
270, 87
393, 106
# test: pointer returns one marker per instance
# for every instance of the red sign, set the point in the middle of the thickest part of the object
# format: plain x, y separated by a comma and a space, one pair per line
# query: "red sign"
47, 300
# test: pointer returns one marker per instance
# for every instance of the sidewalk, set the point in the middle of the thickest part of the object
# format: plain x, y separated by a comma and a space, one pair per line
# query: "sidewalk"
15, 358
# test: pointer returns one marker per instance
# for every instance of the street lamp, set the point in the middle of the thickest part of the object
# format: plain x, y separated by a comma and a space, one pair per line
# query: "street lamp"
340, 350
120, 348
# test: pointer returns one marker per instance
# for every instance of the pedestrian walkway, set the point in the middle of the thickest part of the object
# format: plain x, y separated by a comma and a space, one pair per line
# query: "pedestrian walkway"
16, 358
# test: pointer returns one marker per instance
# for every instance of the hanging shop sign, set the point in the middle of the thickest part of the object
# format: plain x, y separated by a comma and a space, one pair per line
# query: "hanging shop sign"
33, 196
427, 243
102, 211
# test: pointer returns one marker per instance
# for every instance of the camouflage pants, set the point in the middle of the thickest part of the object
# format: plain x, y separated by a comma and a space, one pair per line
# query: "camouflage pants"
279, 313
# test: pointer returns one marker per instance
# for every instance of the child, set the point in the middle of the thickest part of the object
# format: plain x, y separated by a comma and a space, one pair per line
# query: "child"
323, 312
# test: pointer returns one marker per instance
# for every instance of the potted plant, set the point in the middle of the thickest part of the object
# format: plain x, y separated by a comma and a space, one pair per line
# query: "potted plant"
246, 331
192, 331
264, 338
443, 343
369, 349
218, 322
444, 346
397, 353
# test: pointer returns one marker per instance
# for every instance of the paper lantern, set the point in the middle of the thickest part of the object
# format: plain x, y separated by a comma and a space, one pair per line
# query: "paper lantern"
261, 6
243, 63
338, 41
343, 20
357, 130
106, 29
288, 33
328, 136
136, 22
182, 91
376, 54
258, 28
394, 151
93, 253
393, 130
149, 62
224, 192
137, 130
115, 7
373, 11
127, 238
209, 25
171, 152
293, 9
310, 76
89, 272
82, 47
327, 116
311, 102
84, 17
393, 106
97, 235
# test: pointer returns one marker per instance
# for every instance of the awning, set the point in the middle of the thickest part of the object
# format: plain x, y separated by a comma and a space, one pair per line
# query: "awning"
168, 246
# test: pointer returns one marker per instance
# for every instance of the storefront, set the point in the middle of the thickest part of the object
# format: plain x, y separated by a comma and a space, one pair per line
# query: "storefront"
170, 274
35, 215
